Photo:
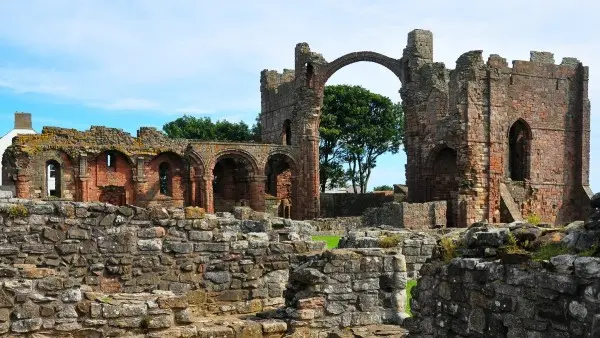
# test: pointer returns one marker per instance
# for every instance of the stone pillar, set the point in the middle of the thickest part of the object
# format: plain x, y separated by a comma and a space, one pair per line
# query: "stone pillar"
257, 192
207, 193
83, 195
139, 181
311, 194
22, 185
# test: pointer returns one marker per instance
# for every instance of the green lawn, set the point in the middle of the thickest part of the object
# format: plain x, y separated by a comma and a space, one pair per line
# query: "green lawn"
409, 286
332, 241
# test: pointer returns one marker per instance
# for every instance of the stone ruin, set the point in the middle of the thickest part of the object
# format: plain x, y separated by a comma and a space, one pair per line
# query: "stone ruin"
492, 142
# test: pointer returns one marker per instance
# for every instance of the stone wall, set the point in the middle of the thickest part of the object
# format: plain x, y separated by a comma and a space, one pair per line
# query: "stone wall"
64, 264
337, 225
342, 288
112, 166
535, 114
417, 247
415, 216
344, 205
479, 297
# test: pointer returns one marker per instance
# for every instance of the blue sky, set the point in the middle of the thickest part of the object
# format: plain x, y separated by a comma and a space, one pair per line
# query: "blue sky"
139, 63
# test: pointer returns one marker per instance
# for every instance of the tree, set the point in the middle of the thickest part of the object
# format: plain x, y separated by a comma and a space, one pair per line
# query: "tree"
383, 188
204, 129
357, 126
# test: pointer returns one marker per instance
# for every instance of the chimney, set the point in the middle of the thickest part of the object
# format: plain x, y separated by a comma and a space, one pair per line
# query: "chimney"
23, 121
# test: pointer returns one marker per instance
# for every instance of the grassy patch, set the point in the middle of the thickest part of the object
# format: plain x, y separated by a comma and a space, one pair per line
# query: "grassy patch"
409, 287
550, 250
533, 219
332, 241
390, 241
17, 210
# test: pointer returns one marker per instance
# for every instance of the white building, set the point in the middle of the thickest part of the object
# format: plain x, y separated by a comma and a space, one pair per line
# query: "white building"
22, 126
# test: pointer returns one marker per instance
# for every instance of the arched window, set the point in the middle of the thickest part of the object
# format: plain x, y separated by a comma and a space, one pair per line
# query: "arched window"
164, 177
111, 161
519, 139
53, 179
309, 75
287, 132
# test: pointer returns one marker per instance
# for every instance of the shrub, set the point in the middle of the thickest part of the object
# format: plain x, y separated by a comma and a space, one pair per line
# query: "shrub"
448, 248
383, 188
390, 241
17, 210
533, 219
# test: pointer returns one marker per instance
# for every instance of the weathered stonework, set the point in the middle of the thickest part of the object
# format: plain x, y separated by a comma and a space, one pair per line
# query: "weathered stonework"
72, 266
109, 165
469, 131
416, 247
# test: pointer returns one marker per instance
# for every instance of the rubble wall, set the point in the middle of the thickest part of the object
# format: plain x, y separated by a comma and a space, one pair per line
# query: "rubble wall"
343, 288
53, 253
478, 297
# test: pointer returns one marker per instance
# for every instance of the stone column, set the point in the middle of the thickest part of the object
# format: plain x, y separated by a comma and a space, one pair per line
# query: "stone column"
139, 180
257, 192
207, 193
311, 178
83, 179
22, 184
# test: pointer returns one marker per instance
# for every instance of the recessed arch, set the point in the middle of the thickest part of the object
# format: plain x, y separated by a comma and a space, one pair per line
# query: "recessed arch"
167, 178
280, 188
233, 171
442, 179
519, 150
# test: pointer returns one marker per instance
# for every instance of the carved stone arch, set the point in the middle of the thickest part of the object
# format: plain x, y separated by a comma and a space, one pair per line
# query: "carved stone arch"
236, 180
250, 159
394, 65
290, 155
102, 152
197, 162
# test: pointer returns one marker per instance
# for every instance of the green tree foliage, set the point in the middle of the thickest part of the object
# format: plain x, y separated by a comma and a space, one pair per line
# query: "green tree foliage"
202, 128
357, 126
383, 188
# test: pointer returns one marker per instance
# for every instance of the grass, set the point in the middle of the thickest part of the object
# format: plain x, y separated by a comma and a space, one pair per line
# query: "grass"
449, 249
389, 241
332, 241
409, 286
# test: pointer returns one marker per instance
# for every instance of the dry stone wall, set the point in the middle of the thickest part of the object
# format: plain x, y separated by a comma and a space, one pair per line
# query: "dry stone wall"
416, 216
72, 266
417, 247
478, 297
342, 288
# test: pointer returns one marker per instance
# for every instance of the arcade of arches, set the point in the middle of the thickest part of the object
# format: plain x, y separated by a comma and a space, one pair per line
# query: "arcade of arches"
481, 137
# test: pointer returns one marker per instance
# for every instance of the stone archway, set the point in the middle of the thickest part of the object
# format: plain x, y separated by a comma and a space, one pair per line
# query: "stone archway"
281, 185
442, 178
298, 95
317, 74
236, 182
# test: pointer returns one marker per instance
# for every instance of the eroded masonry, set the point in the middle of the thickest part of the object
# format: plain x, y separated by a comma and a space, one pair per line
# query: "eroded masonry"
494, 142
